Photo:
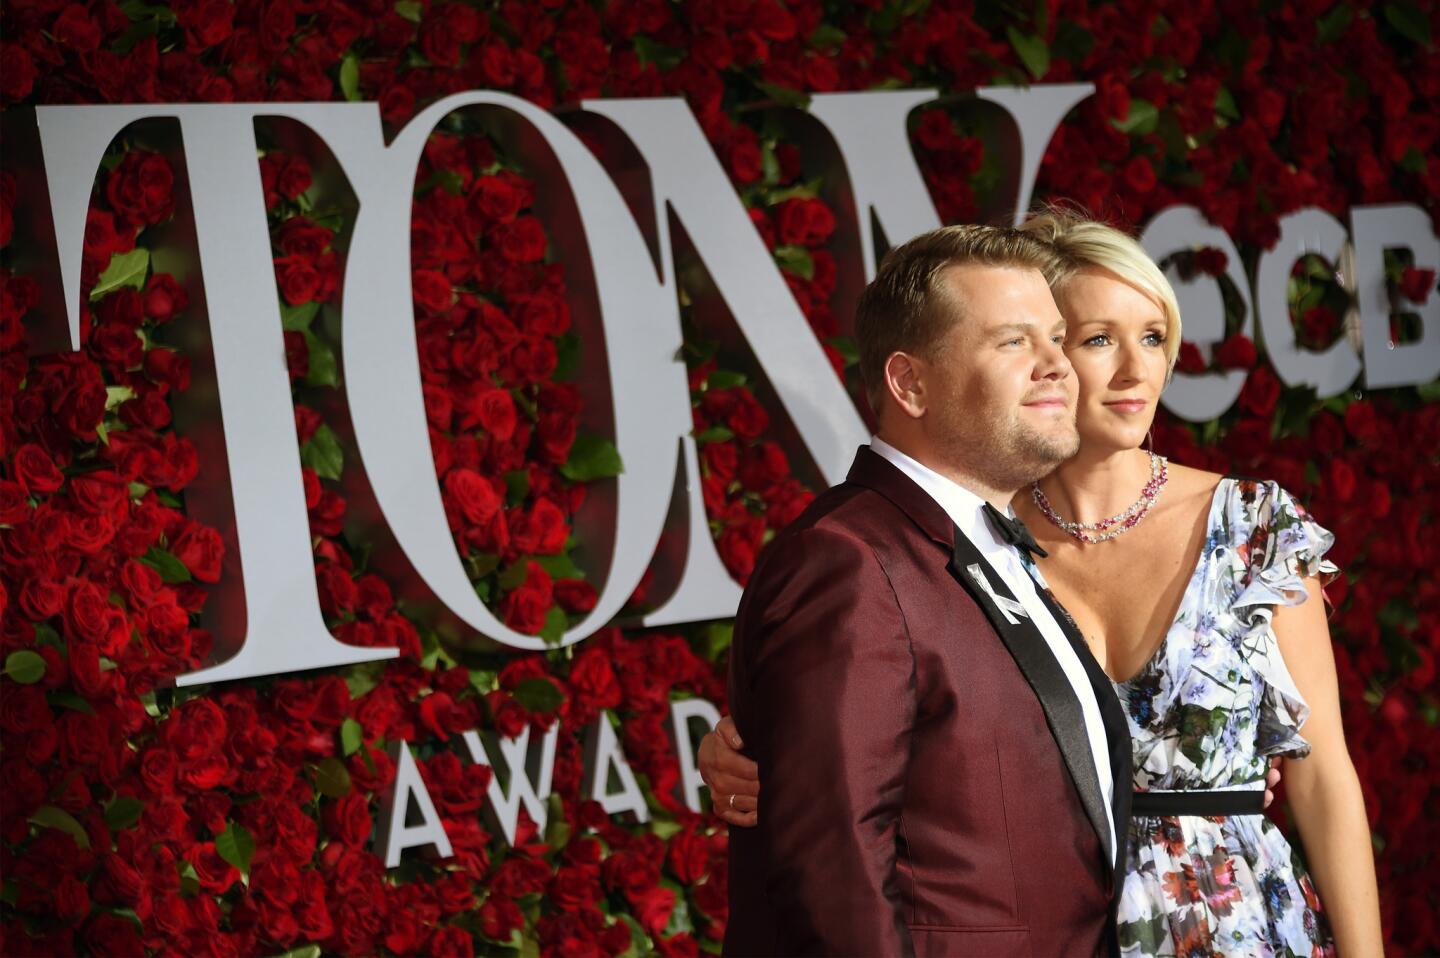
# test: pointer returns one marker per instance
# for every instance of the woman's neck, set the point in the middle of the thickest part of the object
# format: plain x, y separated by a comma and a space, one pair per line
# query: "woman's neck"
1095, 485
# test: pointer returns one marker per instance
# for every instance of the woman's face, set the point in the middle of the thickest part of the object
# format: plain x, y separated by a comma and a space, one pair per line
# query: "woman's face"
1115, 340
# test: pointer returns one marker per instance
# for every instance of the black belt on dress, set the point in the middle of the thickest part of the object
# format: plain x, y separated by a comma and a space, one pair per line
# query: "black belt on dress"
1200, 802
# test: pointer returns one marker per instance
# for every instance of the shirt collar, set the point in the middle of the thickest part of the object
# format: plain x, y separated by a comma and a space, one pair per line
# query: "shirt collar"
964, 507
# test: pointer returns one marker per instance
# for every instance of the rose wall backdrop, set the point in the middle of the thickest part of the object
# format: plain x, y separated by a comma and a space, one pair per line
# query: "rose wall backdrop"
239, 818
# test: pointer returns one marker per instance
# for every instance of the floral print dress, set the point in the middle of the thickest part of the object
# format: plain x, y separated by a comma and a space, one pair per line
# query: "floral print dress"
1208, 711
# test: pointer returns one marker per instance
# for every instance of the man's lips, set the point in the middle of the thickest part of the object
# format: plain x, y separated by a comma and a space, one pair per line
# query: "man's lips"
1046, 402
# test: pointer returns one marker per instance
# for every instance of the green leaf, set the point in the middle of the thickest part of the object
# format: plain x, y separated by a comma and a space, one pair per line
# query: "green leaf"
665, 828
170, 568
324, 370
9, 892
539, 695
716, 638
560, 567
555, 624
50, 816
297, 319
1429, 392
323, 453
25, 667
123, 812
236, 846
649, 51
784, 95
69, 700
1333, 25
724, 379
480, 564
350, 77
847, 349
1031, 50
1224, 105
1142, 119
140, 10
714, 434
409, 9
1072, 42
826, 35
352, 736
115, 395
332, 779
557, 829
592, 457
125, 269
1409, 21
514, 575
567, 357
517, 486
795, 259
303, 951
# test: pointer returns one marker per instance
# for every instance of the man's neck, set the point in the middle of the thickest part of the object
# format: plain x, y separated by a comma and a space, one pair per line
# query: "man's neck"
958, 473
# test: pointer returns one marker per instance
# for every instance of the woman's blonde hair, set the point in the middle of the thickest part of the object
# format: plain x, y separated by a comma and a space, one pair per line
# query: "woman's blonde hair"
1086, 242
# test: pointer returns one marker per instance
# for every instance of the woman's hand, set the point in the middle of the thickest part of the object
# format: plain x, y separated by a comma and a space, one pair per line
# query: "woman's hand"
733, 779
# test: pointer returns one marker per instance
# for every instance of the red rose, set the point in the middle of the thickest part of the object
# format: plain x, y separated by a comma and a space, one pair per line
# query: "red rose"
1211, 261
107, 934
722, 459
737, 550
765, 465
36, 471
1417, 284
451, 942
75, 28
201, 549
23, 709
523, 241
575, 595
87, 612
689, 857
499, 918
805, 222
592, 680
496, 198
747, 419
525, 609
300, 236
348, 820
17, 72
300, 281
431, 290
1236, 352
284, 175
652, 907
1260, 393
1319, 325
541, 531
745, 159
206, 23
491, 409
473, 495
1139, 174
1361, 421
141, 188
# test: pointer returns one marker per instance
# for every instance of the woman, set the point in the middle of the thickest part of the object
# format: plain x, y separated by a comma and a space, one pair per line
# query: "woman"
1217, 670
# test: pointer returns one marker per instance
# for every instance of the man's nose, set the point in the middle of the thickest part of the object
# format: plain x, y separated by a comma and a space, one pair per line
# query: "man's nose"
1052, 362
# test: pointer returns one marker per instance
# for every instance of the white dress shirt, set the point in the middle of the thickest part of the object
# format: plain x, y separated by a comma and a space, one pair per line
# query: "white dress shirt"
965, 509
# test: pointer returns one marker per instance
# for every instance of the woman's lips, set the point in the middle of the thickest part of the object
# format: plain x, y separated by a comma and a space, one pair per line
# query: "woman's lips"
1128, 405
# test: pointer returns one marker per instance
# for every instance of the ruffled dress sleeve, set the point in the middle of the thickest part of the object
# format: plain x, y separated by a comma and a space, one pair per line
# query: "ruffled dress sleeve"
1276, 545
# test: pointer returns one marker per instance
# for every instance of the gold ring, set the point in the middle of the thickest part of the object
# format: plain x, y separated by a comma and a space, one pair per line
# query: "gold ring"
732, 799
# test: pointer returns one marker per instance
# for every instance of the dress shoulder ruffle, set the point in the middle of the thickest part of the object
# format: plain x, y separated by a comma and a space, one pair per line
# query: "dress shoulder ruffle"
1276, 546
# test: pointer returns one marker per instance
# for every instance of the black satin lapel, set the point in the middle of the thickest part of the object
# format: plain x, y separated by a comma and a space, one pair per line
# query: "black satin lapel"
1112, 715
1037, 663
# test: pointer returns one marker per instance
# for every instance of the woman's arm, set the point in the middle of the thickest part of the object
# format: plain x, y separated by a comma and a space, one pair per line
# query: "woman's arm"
1324, 790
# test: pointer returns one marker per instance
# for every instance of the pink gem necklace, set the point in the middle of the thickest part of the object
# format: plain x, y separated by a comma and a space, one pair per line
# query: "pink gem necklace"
1106, 529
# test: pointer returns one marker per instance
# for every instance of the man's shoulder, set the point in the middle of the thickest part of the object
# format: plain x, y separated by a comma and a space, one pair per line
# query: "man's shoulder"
848, 510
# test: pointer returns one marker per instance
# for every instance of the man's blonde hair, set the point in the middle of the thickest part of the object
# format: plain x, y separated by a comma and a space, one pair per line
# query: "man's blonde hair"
905, 307
1085, 242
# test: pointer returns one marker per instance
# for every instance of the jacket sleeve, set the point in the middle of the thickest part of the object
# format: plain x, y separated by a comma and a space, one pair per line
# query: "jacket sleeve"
826, 707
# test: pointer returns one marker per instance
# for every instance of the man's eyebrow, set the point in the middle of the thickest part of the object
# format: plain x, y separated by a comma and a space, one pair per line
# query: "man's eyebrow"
1009, 328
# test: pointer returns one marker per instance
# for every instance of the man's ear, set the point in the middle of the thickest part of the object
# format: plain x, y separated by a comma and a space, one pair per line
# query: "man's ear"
905, 382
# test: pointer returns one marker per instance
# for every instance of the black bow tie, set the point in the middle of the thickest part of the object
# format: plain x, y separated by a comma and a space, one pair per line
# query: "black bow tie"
1013, 531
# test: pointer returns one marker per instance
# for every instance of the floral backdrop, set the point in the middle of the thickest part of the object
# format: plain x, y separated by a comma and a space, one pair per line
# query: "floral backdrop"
239, 819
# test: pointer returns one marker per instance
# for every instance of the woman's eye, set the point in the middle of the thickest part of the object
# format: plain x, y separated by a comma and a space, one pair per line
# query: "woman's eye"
1154, 339
1099, 339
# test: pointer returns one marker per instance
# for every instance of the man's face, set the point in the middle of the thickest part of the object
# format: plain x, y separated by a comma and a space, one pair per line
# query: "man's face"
1001, 393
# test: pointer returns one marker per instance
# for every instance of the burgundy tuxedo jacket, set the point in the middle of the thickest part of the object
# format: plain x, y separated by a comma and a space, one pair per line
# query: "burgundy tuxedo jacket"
926, 782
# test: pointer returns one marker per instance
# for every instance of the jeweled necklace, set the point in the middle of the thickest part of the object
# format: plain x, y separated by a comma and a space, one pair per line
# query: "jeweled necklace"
1107, 529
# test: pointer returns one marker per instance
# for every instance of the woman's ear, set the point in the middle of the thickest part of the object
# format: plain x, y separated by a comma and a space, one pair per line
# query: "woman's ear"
905, 382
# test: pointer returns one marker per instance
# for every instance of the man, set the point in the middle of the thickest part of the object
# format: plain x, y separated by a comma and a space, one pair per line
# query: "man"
940, 755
